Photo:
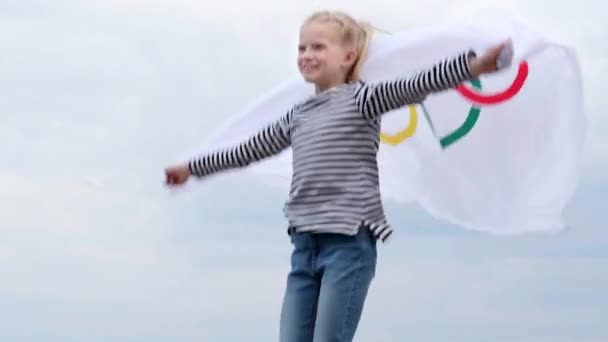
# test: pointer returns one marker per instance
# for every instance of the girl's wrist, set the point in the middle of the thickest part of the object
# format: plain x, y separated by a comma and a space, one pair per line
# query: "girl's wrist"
476, 66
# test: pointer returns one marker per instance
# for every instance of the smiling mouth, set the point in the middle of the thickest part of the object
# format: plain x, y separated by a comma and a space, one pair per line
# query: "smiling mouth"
308, 68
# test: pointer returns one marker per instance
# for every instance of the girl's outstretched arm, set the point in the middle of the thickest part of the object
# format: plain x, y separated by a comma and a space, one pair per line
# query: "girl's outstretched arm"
375, 99
378, 98
267, 142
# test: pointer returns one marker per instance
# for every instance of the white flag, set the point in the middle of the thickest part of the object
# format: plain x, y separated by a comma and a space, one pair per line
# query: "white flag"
500, 155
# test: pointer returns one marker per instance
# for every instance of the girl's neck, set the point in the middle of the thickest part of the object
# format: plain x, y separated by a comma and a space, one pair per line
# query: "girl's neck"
325, 86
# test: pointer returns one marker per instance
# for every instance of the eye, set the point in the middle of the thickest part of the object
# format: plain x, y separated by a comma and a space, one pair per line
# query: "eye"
301, 48
318, 46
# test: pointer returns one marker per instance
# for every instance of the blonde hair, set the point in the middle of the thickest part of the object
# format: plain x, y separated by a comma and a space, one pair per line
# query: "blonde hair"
352, 32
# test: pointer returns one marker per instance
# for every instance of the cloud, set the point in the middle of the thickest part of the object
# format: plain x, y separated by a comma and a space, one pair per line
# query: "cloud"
29, 203
99, 95
486, 298
419, 296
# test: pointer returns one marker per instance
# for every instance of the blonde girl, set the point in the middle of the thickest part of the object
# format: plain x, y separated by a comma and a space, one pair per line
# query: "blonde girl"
334, 210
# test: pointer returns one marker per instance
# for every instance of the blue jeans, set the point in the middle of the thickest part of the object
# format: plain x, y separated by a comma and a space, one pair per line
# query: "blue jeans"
327, 286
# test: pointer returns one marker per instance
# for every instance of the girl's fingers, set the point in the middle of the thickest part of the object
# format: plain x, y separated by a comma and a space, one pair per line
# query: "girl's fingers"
505, 56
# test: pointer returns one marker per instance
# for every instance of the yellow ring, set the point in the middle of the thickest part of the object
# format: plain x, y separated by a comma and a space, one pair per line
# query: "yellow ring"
405, 133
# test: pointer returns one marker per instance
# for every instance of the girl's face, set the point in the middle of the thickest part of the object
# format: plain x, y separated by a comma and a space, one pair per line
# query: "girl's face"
322, 57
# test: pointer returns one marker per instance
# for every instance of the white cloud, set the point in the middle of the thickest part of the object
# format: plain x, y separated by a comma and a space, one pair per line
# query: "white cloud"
486, 298
41, 203
422, 298
98, 95
597, 145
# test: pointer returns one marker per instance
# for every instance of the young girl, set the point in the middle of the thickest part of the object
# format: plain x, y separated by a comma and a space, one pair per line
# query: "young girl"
334, 209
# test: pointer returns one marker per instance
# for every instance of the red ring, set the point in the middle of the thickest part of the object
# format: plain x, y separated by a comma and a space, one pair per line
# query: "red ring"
512, 90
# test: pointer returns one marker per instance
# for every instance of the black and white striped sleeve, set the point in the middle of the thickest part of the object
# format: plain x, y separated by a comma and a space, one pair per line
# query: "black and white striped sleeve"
375, 99
269, 141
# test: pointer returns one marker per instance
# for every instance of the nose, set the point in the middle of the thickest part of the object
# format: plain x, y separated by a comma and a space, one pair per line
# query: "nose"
305, 54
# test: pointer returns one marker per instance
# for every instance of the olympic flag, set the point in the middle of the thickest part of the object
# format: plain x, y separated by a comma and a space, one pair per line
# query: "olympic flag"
500, 155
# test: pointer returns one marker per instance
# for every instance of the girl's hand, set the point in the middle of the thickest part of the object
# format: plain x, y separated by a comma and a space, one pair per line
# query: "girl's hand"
496, 58
177, 175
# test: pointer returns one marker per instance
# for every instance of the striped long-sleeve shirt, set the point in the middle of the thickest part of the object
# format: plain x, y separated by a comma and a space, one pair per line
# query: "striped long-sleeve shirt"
334, 136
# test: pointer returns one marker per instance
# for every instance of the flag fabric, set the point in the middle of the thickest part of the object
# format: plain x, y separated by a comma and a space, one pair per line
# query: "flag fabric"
500, 154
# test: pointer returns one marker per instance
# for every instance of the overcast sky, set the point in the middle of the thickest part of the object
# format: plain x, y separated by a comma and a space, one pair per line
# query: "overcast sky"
97, 96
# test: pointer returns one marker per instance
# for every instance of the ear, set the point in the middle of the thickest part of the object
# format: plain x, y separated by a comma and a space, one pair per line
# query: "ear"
350, 57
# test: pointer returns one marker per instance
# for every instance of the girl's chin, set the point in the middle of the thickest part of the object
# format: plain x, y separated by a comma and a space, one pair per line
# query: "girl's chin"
309, 77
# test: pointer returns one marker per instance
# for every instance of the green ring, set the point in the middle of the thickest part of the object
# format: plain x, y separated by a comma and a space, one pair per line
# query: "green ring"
468, 124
